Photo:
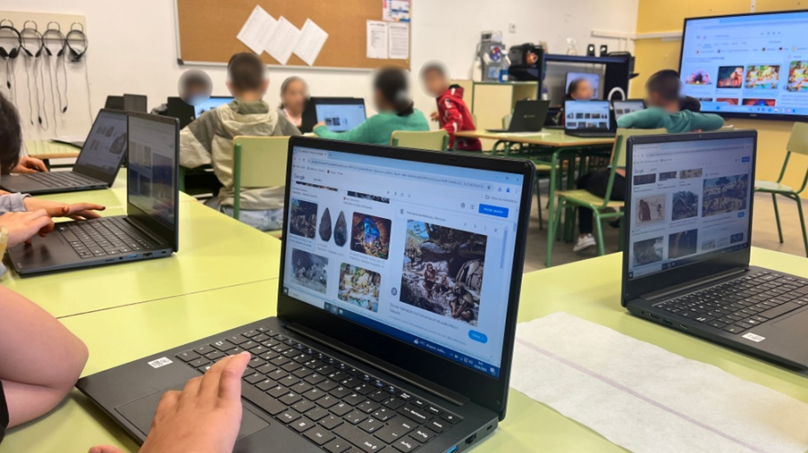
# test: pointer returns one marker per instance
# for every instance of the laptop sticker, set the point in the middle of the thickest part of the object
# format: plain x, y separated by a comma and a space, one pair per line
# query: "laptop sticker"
754, 337
161, 362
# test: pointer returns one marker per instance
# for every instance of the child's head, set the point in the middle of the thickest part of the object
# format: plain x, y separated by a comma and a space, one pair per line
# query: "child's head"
580, 90
690, 103
294, 93
390, 91
10, 136
662, 90
246, 77
435, 78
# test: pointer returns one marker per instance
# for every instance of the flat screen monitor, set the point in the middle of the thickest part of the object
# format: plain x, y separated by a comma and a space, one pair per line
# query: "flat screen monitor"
211, 103
748, 65
594, 80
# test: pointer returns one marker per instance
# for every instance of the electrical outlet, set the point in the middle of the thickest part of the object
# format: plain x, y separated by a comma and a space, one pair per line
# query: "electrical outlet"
512, 27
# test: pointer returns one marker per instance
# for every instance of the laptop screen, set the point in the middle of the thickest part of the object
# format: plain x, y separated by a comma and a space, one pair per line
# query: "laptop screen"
690, 202
211, 103
593, 79
625, 107
105, 146
417, 251
341, 117
592, 115
151, 184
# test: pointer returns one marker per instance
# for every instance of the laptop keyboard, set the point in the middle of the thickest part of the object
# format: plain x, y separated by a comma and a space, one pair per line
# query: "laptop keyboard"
334, 405
741, 304
60, 179
102, 237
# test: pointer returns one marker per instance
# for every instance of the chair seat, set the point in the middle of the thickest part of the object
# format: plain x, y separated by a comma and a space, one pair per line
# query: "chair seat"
543, 168
771, 186
583, 197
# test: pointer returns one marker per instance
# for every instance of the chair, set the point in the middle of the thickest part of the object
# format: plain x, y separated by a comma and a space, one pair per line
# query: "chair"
258, 162
432, 140
602, 208
797, 143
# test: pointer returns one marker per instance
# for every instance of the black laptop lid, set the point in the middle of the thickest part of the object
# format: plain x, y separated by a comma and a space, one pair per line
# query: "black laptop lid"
412, 257
105, 147
152, 191
340, 114
688, 208
136, 103
528, 116
177, 108
114, 103
587, 116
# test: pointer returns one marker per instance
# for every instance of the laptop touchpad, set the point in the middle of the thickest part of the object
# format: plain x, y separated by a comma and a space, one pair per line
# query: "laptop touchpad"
796, 323
141, 411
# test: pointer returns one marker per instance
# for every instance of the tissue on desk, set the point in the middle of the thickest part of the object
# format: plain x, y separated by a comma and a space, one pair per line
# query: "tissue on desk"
646, 399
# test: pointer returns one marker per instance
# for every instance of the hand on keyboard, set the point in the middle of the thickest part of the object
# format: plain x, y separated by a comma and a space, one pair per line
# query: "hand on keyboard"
75, 211
204, 417
29, 165
22, 226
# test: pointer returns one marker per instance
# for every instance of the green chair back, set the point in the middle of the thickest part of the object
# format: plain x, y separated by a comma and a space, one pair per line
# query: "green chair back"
432, 140
258, 162
621, 139
798, 141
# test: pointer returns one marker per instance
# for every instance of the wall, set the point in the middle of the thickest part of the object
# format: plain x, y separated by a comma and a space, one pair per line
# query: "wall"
660, 16
132, 45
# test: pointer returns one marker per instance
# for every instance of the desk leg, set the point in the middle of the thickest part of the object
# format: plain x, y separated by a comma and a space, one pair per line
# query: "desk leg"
552, 225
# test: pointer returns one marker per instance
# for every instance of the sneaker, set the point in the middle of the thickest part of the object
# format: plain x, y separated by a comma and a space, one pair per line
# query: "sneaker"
584, 242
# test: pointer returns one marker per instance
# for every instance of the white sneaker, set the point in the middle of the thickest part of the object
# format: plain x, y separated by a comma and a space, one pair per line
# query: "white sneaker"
584, 242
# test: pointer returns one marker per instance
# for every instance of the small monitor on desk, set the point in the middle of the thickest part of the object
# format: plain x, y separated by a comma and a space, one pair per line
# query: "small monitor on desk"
210, 104
627, 106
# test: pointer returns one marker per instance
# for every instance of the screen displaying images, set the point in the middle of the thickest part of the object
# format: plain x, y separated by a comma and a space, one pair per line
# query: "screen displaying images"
594, 115
690, 199
747, 65
105, 147
341, 117
413, 250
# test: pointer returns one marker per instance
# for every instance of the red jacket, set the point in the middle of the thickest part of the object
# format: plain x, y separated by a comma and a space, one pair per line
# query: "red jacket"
455, 116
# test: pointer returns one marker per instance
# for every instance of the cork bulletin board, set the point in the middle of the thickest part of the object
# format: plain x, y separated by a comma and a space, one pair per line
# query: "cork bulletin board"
207, 30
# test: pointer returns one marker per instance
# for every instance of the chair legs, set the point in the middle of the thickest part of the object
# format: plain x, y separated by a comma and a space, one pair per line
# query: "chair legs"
538, 203
777, 217
599, 233
552, 228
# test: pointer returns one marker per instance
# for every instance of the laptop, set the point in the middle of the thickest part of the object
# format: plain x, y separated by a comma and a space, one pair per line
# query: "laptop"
96, 167
528, 116
136, 103
210, 104
627, 106
588, 119
396, 309
338, 114
689, 205
148, 231
114, 103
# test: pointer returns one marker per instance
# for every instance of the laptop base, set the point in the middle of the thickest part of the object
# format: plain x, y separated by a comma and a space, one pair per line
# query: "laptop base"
591, 134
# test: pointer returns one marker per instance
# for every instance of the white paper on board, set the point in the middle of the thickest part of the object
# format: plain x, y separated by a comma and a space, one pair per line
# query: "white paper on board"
399, 34
377, 39
312, 39
258, 29
283, 41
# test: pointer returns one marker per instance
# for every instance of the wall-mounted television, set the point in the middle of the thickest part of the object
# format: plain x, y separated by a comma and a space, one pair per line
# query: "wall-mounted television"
748, 65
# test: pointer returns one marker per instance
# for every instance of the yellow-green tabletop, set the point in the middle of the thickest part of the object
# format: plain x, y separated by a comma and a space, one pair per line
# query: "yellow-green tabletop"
113, 198
46, 149
589, 289
215, 251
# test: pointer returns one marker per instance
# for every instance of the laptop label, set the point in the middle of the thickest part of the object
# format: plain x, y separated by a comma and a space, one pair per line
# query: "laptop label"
753, 337
161, 362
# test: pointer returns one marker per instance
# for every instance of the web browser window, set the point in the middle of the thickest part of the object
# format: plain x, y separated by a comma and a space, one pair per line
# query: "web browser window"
341, 117
420, 252
690, 202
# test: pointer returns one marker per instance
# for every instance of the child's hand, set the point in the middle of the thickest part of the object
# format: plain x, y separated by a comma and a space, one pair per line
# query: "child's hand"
29, 165
23, 226
321, 123
76, 211
434, 116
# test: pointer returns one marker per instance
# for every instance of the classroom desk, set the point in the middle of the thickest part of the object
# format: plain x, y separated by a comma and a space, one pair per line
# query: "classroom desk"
47, 150
123, 334
215, 251
553, 138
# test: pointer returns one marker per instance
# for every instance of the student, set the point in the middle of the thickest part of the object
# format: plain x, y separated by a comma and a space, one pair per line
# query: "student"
664, 111
40, 360
204, 417
579, 90
453, 115
209, 141
396, 112
294, 95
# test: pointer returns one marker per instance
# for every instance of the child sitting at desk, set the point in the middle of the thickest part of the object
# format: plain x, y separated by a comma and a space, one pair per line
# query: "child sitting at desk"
453, 115
209, 141
396, 112
579, 90
664, 111
294, 95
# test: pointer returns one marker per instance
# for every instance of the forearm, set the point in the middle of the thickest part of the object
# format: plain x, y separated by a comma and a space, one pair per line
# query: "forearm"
13, 202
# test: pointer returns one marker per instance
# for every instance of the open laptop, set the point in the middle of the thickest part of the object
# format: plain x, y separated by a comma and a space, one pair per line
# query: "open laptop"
96, 167
627, 106
135, 103
528, 116
689, 209
397, 303
588, 119
210, 104
148, 231
338, 114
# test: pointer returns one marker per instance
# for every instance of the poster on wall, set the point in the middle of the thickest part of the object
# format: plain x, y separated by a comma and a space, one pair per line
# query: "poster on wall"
396, 10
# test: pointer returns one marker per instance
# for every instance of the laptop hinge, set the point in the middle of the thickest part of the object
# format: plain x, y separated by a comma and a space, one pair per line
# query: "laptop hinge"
157, 240
692, 285
387, 367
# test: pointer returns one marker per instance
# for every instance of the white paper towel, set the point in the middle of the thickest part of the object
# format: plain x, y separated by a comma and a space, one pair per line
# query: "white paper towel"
647, 399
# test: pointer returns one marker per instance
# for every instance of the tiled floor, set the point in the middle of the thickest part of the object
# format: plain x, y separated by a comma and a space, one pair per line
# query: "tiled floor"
764, 234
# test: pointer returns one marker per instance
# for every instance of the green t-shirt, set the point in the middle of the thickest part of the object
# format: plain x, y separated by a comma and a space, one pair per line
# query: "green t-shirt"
378, 128
682, 121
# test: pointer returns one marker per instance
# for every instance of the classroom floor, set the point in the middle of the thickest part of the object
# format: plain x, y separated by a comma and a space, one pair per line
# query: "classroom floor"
764, 234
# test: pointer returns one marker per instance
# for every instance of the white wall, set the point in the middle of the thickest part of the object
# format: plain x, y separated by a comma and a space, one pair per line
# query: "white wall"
132, 45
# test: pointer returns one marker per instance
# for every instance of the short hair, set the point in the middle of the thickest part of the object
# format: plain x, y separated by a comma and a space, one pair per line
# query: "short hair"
10, 136
246, 71
574, 87
665, 84
434, 66
690, 103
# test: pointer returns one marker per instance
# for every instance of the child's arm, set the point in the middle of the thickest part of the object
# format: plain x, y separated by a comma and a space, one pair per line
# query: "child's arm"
40, 360
196, 140
453, 119
706, 122
359, 134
